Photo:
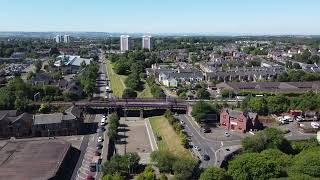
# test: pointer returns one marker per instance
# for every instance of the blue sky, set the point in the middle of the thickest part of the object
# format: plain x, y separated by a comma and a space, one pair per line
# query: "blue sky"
163, 16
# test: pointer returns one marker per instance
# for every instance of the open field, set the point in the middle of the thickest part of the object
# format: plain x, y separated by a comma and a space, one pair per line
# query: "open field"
116, 81
170, 140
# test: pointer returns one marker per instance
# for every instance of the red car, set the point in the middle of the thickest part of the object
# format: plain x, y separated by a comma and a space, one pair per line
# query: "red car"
89, 177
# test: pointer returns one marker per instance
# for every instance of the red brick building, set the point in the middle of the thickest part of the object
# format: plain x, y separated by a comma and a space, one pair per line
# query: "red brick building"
239, 121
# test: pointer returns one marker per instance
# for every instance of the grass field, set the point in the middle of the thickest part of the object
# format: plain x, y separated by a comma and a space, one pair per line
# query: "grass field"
116, 81
169, 139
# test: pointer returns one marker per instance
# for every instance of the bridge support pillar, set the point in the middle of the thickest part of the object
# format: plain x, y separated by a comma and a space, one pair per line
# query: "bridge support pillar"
125, 113
141, 113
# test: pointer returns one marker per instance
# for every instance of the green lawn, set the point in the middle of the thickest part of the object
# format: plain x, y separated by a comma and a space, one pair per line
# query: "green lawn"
169, 139
116, 81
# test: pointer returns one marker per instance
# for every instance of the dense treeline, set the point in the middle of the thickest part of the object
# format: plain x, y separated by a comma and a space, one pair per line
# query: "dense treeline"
280, 103
133, 65
87, 78
177, 127
298, 76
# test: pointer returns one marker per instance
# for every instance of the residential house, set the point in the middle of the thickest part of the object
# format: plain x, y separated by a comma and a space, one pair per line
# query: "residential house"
239, 121
41, 79
58, 124
13, 124
245, 74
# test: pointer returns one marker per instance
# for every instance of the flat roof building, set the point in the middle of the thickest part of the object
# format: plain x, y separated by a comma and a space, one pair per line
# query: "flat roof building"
146, 42
35, 159
125, 43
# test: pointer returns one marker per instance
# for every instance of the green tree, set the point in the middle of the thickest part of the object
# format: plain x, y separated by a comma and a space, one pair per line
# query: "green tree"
203, 94
44, 108
258, 105
278, 104
164, 160
184, 168
307, 162
201, 109
133, 81
38, 65
129, 93
6, 98
253, 166
30, 75
214, 173
147, 174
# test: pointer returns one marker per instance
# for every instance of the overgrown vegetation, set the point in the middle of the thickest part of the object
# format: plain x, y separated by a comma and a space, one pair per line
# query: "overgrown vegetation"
169, 163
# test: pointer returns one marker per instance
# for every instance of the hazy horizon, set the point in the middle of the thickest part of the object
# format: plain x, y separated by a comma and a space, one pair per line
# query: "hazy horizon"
243, 17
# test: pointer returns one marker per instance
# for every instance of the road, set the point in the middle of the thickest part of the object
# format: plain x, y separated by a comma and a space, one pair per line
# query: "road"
102, 82
209, 145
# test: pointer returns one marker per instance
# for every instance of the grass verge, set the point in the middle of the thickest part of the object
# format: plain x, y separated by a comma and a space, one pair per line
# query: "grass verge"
116, 81
166, 137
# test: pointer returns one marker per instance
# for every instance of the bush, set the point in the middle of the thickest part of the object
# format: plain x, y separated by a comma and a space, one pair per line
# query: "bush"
129, 93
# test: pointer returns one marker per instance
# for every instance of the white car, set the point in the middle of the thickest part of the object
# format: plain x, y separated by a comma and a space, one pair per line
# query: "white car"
102, 123
100, 139
197, 148
226, 134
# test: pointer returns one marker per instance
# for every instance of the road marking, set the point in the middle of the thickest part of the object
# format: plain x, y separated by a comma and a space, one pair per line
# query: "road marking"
221, 143
152, 139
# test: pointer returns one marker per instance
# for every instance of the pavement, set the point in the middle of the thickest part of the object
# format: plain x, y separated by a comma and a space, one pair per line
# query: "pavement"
88, 148
211, 144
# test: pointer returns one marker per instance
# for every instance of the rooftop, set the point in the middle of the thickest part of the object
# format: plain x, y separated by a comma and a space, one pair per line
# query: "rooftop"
31, 159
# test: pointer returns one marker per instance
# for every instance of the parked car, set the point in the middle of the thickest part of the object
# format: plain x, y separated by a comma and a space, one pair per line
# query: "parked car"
89, 177
101, 129
97, 153
100, 139
99, 146
226, 134
197, 148
206, 157
93, 167
102, 123
182, 122
206, 130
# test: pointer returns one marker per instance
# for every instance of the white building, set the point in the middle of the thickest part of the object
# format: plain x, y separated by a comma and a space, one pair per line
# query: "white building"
58, 38
125, 43
146, 42
66, 39
68, 60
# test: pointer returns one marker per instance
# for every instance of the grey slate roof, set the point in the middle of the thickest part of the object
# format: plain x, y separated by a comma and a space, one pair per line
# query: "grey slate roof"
55, 118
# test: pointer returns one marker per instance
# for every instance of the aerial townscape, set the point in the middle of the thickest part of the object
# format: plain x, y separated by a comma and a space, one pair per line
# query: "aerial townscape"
118, 105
